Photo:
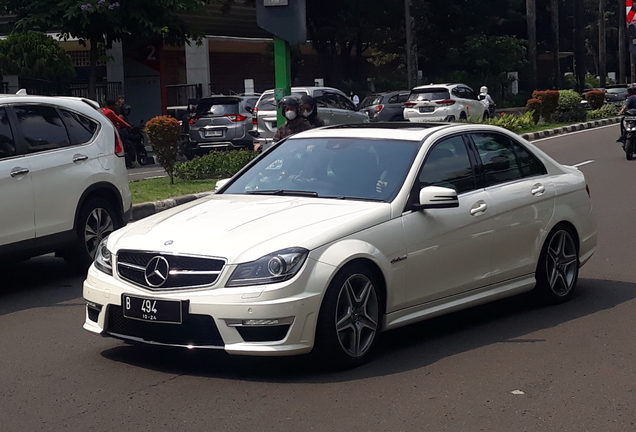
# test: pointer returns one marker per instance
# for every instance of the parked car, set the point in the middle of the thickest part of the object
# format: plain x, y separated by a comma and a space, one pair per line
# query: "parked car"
63, 179
339, 233
220, 122
334, 107
387, 106
443, 102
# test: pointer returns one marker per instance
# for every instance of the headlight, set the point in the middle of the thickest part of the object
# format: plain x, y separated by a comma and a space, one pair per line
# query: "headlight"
630, 126
103, 258
276, 267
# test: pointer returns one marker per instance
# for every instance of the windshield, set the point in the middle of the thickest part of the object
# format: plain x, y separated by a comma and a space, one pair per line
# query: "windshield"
617, 90
268, 103
356, 168
429, 94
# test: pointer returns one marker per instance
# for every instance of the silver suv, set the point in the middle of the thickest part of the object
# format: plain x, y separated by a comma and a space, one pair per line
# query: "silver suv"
220, 122
334, 107
63, 178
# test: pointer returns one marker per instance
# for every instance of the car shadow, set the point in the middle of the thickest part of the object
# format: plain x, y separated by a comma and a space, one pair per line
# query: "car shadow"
39, 282
408, 348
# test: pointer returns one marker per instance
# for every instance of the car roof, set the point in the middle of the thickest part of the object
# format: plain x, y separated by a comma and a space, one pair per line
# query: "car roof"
68, 101
304, 88
424, 87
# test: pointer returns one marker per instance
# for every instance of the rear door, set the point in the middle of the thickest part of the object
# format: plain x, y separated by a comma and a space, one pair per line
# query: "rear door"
16, 188
476, 108
351, 114
61, 159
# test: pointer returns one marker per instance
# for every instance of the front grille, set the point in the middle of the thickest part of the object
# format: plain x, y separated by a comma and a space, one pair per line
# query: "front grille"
185, 271
195, 330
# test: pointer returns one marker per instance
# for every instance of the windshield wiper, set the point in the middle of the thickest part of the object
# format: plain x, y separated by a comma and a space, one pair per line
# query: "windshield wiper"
284, 192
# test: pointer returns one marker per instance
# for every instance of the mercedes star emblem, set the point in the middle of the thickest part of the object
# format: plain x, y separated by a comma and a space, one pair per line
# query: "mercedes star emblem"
157, 271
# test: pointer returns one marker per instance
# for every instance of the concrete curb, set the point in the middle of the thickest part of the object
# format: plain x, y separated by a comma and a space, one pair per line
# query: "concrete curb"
572, 128
140, 211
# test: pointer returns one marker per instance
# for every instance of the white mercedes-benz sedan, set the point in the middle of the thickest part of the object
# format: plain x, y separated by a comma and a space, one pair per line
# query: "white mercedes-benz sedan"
340, 233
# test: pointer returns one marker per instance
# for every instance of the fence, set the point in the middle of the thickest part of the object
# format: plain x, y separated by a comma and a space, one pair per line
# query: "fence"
180, 94
103, 90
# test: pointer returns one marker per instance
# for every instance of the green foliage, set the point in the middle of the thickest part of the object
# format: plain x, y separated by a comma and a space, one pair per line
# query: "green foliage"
164, 133
534, 107
514, 123
35, 55
549, 103
569, 108
596, 98
214, 165
606, 111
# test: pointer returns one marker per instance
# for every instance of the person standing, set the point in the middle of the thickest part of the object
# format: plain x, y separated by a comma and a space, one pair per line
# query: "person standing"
309, 110
295, 122
355, 99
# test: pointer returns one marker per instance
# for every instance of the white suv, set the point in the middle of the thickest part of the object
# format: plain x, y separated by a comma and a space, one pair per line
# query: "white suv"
63, 179
443, 102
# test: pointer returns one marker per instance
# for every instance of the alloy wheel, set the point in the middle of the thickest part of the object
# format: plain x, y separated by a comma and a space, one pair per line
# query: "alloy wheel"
562, 263
99, 225
357, 315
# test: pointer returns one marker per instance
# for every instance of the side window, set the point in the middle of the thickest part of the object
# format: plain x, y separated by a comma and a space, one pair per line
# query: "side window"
403, 97
41, 127
448, 165
497, 155
457, 93
468, 93
331, 100
346, 103
7, 144
393, 99
81, 129
529, 164
320, 99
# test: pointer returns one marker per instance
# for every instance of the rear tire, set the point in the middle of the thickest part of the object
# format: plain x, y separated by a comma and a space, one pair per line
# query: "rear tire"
349, 319
97, 219
558, 267
629, 149
131, 157
462, 117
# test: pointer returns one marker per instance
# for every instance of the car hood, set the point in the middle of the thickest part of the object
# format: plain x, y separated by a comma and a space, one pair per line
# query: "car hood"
242, 228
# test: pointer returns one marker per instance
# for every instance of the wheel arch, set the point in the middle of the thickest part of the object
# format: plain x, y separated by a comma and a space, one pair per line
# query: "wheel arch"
106, 191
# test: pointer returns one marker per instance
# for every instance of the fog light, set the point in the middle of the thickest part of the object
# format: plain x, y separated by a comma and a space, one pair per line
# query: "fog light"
261, 322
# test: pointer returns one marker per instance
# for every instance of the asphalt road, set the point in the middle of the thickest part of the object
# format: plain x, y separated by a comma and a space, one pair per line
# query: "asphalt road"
508, 366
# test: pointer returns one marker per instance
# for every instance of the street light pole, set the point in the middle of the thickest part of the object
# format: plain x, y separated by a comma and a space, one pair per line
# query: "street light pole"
411, 50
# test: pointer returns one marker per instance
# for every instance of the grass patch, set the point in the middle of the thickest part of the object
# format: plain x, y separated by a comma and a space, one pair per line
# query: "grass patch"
160, 188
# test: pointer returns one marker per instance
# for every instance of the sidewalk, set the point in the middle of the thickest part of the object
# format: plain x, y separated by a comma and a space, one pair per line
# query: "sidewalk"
140, 211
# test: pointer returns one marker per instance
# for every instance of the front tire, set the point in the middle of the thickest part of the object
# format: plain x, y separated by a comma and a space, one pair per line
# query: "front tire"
558, 267
349, 318
629, 149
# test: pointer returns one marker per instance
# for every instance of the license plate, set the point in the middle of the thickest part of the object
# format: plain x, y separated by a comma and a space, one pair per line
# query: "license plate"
214, 133
427, 109
159, 311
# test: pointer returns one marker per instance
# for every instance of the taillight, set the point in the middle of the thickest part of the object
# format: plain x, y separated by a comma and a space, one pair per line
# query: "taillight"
409, 104
119, 145
193, 120
446, 102
235, 117
255, 116
378, 108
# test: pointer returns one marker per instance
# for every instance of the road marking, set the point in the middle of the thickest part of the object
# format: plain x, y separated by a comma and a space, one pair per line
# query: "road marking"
572, 133
584, 163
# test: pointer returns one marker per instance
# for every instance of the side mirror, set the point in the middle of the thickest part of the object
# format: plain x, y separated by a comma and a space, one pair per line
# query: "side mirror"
436, 197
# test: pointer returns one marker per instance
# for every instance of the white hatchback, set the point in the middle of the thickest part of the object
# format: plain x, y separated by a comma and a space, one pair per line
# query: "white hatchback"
443, 102
339, 233
63, 179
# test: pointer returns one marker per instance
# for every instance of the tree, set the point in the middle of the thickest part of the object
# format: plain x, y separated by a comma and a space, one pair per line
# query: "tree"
102, 22
35, 55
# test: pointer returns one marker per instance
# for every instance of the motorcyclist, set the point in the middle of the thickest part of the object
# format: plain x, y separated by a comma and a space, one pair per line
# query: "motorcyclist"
485, 99
309, 110
295, 121
630, 103
109, 112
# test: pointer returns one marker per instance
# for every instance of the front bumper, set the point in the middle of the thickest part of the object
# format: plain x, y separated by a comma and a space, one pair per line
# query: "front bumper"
278, 319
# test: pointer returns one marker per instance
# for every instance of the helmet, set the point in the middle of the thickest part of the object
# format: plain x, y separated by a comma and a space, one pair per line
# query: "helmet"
291, 101
483, 89
125, 109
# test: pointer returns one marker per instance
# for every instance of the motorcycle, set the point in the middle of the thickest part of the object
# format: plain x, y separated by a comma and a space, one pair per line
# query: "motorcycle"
628, 128
134, 146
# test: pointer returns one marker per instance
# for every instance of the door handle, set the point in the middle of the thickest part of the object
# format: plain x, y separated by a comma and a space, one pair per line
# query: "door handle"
478, 207
79, 158
19, 171
537, 189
